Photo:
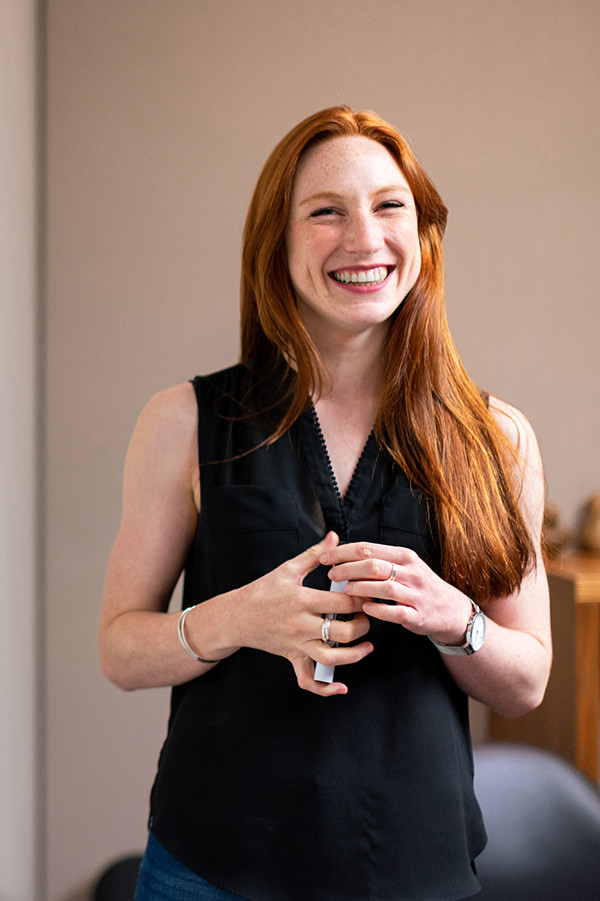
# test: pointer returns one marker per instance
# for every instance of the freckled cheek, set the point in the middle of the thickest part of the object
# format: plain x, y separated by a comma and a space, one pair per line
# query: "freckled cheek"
307, 266
305, 277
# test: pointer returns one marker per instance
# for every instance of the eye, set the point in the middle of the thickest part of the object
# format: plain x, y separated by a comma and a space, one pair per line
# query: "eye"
391, 205
323, 211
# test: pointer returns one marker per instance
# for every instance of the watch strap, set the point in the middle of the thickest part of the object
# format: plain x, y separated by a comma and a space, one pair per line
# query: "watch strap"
462, 650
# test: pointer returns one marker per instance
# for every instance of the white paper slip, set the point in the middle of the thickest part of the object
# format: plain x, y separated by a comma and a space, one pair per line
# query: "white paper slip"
325, 673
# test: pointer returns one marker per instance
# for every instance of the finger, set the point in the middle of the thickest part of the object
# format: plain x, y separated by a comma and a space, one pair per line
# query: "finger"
388, 590
374, 569
369, 591
340, 655
366, 550
342, 632
400, 614
323, 602
310, 559
304, 668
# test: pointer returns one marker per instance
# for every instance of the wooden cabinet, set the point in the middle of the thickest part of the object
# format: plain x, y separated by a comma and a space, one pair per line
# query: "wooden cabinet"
568, 720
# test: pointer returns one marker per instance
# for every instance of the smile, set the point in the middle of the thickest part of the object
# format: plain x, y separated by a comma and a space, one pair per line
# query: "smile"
361, 277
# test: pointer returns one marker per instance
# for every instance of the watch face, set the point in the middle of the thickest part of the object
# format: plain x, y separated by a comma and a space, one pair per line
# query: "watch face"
477, 631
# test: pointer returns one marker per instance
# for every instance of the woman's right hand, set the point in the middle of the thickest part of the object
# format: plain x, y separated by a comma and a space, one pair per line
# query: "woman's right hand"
138, 640
278, 614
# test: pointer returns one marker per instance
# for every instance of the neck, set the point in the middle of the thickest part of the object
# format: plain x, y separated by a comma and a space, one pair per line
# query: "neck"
353, 367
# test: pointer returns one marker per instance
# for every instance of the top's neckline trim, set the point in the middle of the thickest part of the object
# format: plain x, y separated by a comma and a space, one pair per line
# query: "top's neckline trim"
357, 485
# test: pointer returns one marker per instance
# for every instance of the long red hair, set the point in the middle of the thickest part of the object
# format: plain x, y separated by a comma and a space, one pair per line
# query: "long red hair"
432, 419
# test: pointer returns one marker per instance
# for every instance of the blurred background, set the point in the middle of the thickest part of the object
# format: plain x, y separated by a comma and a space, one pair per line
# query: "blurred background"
131, 137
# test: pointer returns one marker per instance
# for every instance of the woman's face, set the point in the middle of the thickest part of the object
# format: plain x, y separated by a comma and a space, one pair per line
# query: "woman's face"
352, 237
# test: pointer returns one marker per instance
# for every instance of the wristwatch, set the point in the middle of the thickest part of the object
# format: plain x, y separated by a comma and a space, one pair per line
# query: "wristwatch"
473, 637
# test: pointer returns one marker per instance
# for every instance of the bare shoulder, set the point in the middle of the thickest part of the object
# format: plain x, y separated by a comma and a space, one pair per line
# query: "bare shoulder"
530, 475
517, 429
165, 436
174, 407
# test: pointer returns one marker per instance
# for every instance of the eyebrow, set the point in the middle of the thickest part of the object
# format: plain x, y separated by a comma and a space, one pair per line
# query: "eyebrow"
335, 195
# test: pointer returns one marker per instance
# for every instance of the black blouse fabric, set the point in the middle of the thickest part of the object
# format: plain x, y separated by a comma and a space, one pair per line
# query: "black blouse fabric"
271, 792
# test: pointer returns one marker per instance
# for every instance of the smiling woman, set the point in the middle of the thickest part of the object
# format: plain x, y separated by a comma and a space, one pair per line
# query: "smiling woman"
426, 411
347, 450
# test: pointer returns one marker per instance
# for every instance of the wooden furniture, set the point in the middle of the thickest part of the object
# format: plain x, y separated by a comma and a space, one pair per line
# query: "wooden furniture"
568, 720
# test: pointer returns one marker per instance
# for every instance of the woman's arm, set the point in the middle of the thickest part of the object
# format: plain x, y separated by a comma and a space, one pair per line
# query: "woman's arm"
511, 676
510, 672
138, 639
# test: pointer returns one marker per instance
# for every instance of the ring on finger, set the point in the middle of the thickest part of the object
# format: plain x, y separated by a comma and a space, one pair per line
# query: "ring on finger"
326, 626
392, 575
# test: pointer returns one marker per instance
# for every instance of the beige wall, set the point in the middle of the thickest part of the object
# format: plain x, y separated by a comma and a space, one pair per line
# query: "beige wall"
160, 116
20, 630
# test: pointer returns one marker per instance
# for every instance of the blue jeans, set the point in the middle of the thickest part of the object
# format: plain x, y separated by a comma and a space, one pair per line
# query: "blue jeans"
163, 878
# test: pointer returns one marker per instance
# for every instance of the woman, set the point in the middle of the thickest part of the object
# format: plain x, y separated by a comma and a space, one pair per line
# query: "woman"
349, 450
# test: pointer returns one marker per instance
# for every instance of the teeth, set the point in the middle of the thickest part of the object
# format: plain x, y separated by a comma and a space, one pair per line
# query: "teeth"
364, 277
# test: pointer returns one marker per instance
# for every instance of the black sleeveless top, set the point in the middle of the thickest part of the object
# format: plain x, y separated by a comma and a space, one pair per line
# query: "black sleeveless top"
271, 792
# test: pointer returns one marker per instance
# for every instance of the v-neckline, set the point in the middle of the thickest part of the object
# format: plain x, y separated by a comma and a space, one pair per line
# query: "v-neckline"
339, 511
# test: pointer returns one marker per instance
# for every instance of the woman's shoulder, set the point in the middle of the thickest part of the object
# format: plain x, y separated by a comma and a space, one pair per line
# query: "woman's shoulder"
169, 408
164, 438
519, 432
511, 421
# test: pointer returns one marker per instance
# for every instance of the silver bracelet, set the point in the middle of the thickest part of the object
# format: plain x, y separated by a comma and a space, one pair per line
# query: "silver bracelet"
183, 640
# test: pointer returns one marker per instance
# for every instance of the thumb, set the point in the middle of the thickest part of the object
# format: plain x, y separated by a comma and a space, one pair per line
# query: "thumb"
309, 559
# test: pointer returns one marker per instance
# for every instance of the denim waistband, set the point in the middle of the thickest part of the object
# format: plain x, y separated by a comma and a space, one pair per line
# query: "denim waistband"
163, 878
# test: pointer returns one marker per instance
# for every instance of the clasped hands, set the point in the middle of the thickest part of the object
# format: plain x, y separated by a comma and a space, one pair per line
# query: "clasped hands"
282, 616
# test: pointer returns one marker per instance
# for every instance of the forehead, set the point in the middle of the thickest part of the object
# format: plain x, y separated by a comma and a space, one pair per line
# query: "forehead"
346, 163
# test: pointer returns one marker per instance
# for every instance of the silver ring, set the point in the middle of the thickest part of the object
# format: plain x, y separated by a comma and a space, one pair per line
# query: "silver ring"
392, 575
325, 630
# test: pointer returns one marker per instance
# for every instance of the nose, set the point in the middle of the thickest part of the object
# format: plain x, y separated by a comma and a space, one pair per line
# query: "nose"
362, 235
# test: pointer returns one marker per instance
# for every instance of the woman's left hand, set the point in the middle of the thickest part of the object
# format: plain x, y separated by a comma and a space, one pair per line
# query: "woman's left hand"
413, 595
510, 672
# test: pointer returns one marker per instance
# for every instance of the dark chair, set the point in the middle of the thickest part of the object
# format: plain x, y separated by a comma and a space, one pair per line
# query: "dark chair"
543, 822
118, 881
